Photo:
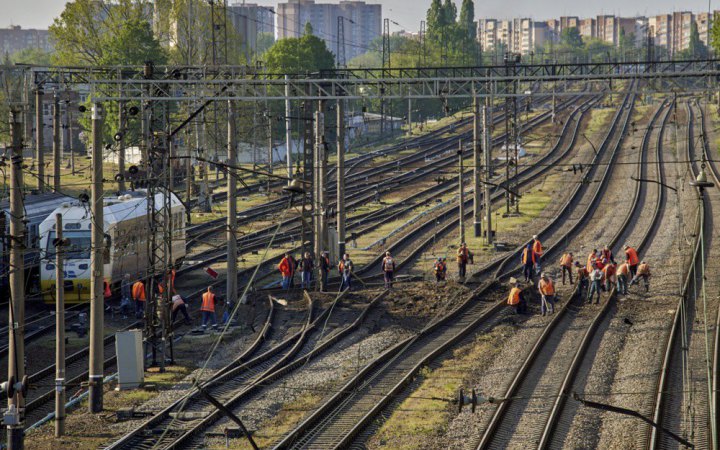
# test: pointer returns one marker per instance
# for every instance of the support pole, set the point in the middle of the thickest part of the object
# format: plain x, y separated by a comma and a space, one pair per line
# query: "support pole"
231, 290
39, 140
288, 130
487, 137
59, 329
121, 146
340, 176
189, 175
319, 206
57, 149
409, 117
461, 189
16, 320
95, 384
477, 169
270, 149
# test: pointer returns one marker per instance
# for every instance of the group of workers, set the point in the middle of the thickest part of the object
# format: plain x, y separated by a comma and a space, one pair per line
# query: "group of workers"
289, 266
464, 257
600, 273
135, 292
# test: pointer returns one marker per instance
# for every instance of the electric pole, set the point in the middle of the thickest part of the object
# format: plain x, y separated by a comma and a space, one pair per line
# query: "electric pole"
16, 319
57, 150
121, 145
461, 192
231, 207
477, 169
270, 149
39, 137
59, 329
319, 191
288, 130
340, 177
409, 115
95, 384
487, 138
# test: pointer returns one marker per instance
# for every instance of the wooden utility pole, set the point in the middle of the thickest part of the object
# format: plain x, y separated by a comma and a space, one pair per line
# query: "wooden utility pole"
487, 138
57, 149
39, 137
59, 329
461, 192
477, 170
340, 177
232, 290
16, 319
95, 381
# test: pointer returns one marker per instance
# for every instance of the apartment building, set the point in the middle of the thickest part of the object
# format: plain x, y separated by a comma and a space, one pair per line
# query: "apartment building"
493, 33
15, 38
587, 28
681, 25
362, 22
248, 21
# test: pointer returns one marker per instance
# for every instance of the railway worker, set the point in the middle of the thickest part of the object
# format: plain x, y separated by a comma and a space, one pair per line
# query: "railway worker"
179, 306
595, 284
207, 308
440, 269
631, 257
125, 296
324, 270
592, 258
464, 255
345, 267
306, 269
285, 268
609, 276
607, 254
546, 287
515, 299
138, 294
388, 268
293, 269
528, 262
623, 272
643, 272
582, 276
538, 250
566, 263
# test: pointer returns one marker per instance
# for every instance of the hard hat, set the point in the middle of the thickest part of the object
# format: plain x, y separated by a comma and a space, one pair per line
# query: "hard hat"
534, 236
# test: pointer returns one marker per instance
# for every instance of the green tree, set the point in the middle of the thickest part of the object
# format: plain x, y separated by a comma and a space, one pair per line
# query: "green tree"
133, 43
571, 38
696, 48
306, 54
449, 15
434, 20
34, 56
264, 42
467, 19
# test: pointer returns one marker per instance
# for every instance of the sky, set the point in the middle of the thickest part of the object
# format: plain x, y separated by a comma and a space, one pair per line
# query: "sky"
408, 13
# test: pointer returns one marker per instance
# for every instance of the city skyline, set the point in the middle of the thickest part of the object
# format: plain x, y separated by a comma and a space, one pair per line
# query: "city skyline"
40, 13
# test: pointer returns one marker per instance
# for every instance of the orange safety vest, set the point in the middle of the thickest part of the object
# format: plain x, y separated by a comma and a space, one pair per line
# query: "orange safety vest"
463, 254
632, 256
643, 269
138, 291
208, 302
537, 247
599, 263
106, 289
284, 267
525, 256
609, 270
440, 267
623, 269
547, 287
514, 297
591, 259
566, 260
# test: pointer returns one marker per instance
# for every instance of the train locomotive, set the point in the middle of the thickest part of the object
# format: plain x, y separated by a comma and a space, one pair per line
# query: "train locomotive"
126, 231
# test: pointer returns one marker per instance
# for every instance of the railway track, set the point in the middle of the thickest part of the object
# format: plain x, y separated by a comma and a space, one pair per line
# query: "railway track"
683, 399
342, 417
539, 390
234, 386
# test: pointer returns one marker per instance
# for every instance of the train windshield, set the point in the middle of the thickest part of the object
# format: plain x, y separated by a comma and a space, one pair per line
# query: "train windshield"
79, 247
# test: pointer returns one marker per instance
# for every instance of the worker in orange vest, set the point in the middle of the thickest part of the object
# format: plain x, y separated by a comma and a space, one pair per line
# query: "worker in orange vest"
546, 287
516, 300
528, 262
207, 308
286, 270
643, 272
631, 257
592, 258
566, 266
538, 250
582, 277
168, 279
622, 274
607, 254
464, 255
609, 275
138, 294
440, 270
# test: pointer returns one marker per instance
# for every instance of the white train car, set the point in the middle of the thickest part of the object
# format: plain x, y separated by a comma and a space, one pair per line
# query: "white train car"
126, 230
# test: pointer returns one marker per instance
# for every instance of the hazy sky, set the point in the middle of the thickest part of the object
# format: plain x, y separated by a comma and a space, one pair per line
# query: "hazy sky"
408, 13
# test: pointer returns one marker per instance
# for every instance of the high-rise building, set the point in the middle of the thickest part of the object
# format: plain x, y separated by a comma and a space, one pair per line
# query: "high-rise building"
569, 22
681, 25
248, 20
15, 38
587, 28
362, 23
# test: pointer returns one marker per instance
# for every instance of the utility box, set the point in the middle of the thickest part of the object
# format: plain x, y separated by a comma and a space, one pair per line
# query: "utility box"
129, 351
